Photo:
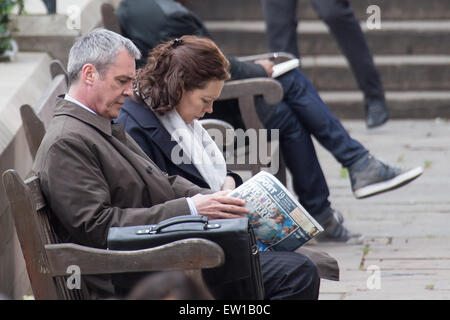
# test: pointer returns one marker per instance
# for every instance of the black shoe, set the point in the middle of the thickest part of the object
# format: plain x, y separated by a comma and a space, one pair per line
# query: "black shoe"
376, 114
334, 230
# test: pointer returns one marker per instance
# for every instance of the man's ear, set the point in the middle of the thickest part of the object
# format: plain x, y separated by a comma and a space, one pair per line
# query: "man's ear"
89, 74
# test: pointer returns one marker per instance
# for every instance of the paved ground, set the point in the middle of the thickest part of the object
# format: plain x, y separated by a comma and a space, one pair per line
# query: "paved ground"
407, 230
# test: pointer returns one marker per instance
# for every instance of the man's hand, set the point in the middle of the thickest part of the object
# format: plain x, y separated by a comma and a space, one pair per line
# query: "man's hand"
267, 65
219, 206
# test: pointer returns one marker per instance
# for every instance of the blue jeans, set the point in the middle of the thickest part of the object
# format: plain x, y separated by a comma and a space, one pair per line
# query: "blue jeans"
302, 113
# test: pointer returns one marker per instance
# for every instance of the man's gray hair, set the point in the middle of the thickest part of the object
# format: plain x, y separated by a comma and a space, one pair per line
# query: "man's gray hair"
99, 48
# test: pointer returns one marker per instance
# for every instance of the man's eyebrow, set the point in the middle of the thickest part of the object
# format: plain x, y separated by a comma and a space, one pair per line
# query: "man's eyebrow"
124, 77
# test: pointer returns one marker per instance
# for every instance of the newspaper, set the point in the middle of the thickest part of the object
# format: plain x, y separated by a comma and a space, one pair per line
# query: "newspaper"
280, 223
283, 67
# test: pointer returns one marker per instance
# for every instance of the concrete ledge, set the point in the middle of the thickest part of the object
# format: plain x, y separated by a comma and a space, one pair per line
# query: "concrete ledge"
22, 81
52, 33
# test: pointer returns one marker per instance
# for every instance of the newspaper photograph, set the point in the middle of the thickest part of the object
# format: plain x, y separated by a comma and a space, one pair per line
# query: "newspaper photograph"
279, 221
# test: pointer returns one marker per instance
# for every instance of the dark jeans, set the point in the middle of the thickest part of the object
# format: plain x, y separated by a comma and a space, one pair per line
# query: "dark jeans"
51, 6
289, 276
281, 22
302, 113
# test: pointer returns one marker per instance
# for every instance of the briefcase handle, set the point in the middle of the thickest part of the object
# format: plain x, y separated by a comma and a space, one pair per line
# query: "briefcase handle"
177, 220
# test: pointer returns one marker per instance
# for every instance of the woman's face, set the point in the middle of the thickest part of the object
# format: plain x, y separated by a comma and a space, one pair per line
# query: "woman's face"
195, 103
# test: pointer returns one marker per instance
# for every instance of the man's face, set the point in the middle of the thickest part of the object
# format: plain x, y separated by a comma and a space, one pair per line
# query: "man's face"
110, 91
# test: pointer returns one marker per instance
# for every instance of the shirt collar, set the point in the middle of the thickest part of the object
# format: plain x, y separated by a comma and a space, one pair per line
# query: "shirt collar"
66, 107
73, 100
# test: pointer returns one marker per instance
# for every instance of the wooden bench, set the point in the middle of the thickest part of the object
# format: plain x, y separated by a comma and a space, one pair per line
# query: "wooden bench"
245, 91
48, 261
34, 125
57, 68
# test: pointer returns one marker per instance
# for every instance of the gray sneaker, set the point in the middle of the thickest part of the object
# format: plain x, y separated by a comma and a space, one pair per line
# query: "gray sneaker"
370, 176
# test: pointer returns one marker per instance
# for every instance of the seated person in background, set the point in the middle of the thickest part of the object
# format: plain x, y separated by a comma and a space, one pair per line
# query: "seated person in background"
94, 176
300, 115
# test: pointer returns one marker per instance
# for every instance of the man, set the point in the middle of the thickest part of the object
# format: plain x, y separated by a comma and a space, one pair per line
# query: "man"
94, 176
281, 26
300, 115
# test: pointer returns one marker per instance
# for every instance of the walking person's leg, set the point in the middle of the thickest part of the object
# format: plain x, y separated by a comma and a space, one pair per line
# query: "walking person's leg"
281, 25
50, 5
345, 28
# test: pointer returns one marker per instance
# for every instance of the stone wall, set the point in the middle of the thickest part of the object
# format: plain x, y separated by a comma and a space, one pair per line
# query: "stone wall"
56, 33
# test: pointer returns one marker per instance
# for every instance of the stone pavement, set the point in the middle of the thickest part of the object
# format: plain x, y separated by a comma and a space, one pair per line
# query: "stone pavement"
407, 236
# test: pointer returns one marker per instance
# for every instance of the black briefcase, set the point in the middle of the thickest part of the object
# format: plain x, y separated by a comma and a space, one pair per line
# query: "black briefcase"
240, 276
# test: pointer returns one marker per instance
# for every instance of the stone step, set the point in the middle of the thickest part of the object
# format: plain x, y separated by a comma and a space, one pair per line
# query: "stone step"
34, 7
252, 10
394, 37
62, 6
397, 72
38, 32
402, 105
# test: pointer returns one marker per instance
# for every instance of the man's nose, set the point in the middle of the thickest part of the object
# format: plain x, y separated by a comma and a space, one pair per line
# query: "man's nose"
128, 90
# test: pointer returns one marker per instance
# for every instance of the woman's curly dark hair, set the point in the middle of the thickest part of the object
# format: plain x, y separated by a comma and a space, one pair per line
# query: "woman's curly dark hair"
185, 64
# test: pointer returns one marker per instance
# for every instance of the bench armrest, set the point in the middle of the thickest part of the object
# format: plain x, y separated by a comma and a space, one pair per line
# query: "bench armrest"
187, 254
270, 89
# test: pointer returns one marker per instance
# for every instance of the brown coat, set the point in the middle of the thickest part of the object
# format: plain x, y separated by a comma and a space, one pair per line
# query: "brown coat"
92, 181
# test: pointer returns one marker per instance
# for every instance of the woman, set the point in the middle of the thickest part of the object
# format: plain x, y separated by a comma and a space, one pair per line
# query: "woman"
163, 115
178, 85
